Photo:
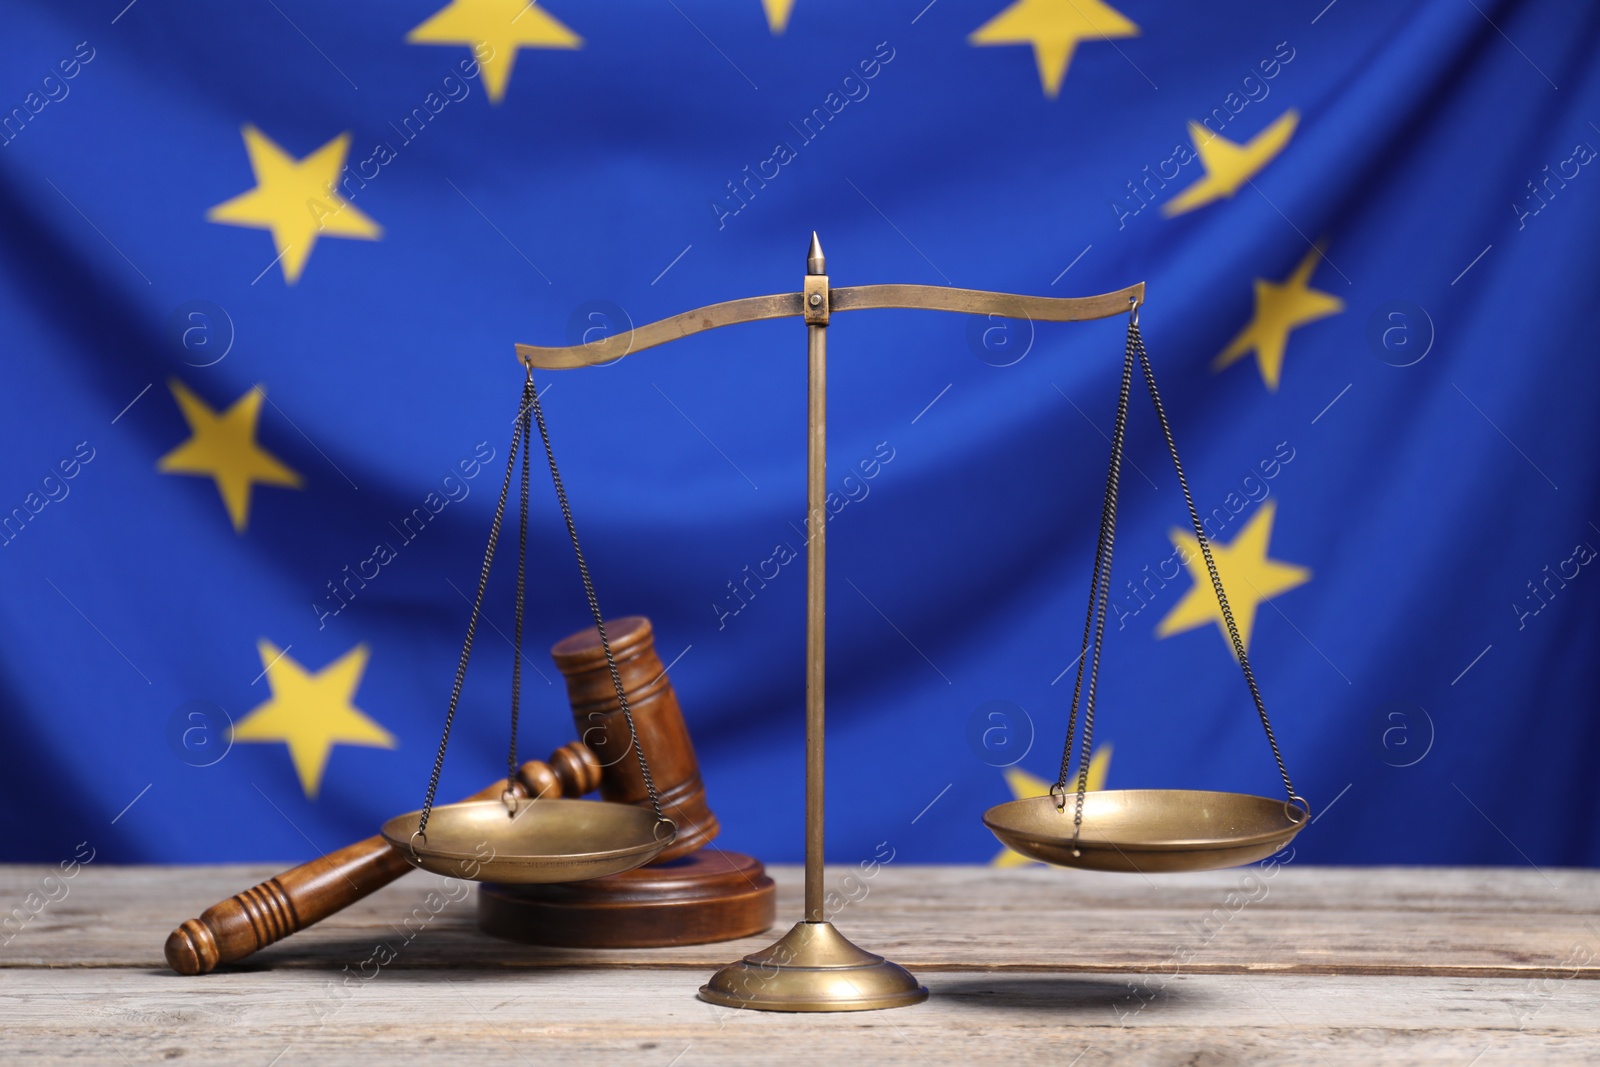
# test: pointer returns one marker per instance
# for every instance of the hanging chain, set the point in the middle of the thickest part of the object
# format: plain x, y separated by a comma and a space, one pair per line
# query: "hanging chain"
472, 625
521, 436
522, 572
594, 609
1211, 564
1100, 584
1095, 617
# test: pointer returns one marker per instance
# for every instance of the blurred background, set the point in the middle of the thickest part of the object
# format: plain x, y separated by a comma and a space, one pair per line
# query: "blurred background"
263, 265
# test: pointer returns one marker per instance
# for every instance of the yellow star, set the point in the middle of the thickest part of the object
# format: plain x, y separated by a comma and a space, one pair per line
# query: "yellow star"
1054, 28
1280, 308
503, 25
223, 447
1229, 165
312, 712
1024, 785
1249, 577
296, 199
778, 13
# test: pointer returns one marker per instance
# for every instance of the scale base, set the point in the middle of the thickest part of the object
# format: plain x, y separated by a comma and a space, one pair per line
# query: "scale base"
813, 968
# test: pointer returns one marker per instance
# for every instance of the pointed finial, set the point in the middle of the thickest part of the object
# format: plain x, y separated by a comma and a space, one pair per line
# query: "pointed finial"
815, 263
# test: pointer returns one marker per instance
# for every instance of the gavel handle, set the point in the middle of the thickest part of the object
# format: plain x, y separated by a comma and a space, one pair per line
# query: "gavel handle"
231, 930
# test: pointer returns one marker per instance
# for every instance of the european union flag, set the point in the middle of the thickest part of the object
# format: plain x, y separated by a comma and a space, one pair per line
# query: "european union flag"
264, 266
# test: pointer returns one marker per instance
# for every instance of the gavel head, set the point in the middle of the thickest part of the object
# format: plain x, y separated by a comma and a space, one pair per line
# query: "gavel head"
663, 735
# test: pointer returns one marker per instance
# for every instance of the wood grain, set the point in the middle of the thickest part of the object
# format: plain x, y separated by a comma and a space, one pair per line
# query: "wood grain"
650, 1017
1491, 922
1327, 966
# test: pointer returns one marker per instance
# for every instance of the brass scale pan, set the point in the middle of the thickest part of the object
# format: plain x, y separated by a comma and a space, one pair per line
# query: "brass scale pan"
1131, 830
1148, 830
547, 840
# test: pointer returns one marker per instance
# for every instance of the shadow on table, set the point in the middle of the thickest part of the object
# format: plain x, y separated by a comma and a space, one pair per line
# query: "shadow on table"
352, 973
385, 951
1064, 993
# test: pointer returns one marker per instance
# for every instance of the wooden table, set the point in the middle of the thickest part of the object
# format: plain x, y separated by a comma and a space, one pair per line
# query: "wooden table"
1311, 965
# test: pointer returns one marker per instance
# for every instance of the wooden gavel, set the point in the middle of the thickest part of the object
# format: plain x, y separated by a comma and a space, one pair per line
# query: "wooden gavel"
602, 758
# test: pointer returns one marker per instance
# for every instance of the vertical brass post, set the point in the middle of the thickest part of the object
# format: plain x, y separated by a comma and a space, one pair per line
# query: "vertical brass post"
814, 967
816, 315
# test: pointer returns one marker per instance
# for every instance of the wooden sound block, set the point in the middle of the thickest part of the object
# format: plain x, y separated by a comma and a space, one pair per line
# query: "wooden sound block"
708, 895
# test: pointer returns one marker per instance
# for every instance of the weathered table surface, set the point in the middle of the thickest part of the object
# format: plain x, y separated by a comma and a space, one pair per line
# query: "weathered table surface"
1310, 965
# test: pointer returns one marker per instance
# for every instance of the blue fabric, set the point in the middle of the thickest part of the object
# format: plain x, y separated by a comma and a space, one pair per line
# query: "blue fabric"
1433, 683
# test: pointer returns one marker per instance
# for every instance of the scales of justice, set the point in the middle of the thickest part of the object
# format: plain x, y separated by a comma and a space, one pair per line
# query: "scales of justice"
529, 835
